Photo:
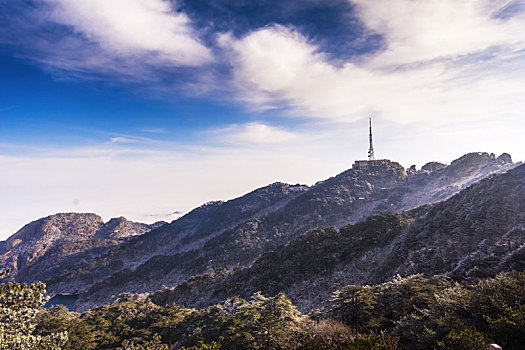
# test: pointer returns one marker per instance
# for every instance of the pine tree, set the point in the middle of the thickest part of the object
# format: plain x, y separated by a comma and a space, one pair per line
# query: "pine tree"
19, 307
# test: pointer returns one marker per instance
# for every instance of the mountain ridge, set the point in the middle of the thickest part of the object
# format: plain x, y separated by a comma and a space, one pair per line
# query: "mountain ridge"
236, 233
428, 240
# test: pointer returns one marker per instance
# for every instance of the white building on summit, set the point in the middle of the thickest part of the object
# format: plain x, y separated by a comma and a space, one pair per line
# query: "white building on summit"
297, 188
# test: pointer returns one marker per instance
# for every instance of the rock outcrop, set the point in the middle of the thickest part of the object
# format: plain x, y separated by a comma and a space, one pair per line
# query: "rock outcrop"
433, 166
121, 227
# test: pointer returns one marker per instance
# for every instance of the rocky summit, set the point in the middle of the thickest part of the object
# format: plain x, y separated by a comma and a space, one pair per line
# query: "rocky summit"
218, 248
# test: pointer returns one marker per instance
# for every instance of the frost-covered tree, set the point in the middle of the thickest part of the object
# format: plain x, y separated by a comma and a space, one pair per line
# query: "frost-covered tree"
353, 305
19, 306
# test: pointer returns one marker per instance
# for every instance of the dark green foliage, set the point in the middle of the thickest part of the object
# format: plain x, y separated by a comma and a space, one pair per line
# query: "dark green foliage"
463, 317
129, 321
315, 253
433, 313
416, 312
262, 323
132, 324
354, 305
360, 342
376, 308
81, 335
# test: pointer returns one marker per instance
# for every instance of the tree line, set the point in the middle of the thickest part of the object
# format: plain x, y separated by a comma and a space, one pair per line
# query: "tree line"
415, 312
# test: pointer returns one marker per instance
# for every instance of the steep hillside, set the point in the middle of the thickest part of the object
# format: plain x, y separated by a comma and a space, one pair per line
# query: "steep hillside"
346, 198
188, 233
312, 260
436, 182
193, 229
475, 234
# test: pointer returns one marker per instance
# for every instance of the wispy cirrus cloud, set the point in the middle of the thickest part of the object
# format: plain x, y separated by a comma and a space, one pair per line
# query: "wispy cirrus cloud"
254, 133
119, 139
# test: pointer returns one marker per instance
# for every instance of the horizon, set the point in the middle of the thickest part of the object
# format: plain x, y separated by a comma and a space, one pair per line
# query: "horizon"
180, 214
149, 109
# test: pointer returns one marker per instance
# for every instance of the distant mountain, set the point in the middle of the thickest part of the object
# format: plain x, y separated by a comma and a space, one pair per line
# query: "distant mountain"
43, 245
87, 250
220, 237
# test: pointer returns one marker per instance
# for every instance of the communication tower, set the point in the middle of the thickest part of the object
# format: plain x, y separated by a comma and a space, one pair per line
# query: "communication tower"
371, 149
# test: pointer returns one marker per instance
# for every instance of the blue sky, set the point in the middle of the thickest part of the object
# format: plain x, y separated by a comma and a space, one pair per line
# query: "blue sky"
149, 108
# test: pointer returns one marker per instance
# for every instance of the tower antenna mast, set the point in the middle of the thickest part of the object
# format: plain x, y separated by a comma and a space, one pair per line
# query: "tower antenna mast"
371, 149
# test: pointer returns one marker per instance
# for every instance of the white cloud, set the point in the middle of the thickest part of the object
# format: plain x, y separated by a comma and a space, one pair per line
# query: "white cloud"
119, 139
149, 29
252, 134
443, 61
121, 40
271, 58
417, 31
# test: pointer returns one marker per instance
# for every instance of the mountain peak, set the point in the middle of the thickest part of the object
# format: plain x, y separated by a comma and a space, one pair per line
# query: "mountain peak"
479, 161
121, 227
481, 157
58, 226
505, 158
433, 166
